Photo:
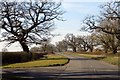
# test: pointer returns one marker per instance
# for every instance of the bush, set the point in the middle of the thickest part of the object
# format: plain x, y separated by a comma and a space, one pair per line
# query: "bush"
37, 55
16, 57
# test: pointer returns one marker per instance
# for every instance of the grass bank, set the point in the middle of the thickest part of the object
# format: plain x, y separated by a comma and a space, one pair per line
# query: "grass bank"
48, 60
112, 59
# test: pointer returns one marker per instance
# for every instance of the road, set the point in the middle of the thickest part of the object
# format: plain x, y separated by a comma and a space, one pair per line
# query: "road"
79, 68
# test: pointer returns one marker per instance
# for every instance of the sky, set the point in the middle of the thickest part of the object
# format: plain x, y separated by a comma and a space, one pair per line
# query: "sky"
75, 12
74, 16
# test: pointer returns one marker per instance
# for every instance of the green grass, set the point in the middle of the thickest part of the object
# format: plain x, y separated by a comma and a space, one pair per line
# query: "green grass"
48, 60
109, 59
112, 59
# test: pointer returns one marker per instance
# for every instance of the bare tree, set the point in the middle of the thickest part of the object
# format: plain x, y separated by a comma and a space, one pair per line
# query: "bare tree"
88, 42
61, 46
28, 22
108, 32
72, 41
35, 49
109, 42
110, 16
47, 48
104, 41
83, 46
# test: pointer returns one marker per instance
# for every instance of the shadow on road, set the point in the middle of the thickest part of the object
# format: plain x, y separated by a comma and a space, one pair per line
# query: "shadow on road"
69, 75
80, 59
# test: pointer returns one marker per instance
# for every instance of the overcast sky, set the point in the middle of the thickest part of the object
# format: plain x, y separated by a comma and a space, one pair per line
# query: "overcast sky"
76, 11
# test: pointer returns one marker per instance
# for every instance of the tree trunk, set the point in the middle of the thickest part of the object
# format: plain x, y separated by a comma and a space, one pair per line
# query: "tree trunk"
114, 51
106, 51
24, 47
91, 49
74, 49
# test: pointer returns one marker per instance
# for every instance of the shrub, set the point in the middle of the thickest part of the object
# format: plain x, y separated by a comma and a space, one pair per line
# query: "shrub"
37, 55
16, 57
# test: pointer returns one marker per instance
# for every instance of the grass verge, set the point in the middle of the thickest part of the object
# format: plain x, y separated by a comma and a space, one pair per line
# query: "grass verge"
48, 60
112, 59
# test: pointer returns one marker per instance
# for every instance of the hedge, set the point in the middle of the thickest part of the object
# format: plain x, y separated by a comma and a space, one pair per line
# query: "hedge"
16, 57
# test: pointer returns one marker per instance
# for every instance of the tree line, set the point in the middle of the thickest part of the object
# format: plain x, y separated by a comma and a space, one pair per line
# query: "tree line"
96, 41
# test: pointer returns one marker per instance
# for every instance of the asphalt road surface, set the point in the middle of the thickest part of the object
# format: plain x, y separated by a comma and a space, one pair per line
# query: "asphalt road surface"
78, 68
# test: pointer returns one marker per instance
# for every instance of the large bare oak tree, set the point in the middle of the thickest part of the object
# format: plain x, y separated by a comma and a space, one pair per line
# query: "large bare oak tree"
28, 22
109, 18
108, 23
